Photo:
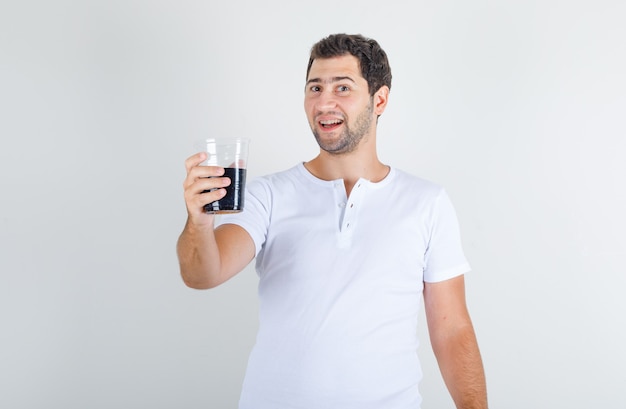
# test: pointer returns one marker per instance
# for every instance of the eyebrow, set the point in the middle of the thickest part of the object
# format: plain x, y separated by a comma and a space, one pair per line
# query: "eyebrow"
333, 79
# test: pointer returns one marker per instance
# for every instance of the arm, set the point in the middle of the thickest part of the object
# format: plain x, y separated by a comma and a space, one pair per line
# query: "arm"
207, 256
454, 343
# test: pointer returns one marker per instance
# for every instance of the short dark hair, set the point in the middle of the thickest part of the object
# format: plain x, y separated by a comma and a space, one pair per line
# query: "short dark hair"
372, 58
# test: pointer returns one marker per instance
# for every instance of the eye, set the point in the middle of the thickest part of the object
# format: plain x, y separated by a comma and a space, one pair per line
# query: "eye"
343, 88
315, 88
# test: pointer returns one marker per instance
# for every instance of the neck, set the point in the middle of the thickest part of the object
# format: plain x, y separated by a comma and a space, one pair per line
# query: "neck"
362, 163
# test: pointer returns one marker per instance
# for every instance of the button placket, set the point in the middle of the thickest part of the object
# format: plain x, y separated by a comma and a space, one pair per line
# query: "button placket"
340, 200
350, 210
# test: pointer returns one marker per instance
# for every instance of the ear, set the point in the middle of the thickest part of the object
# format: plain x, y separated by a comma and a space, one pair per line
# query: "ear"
380, 100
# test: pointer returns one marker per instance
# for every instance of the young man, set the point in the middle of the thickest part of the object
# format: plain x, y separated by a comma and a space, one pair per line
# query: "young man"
345, 247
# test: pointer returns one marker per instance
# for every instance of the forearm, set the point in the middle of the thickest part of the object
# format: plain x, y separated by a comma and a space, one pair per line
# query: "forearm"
198, 256
461, 366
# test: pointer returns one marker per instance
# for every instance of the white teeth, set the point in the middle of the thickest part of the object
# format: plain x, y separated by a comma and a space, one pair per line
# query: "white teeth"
331, 122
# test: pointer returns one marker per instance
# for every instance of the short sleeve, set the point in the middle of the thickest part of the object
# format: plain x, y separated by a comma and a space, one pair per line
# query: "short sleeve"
255, 217
444, 258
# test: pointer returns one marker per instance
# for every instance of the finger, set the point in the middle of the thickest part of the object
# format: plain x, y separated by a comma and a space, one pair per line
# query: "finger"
196, 202
206, 171
195, 206
195, 160
201, 185
201, 173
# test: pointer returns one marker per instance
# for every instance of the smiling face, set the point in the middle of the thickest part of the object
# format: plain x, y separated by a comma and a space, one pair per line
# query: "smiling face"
338, 105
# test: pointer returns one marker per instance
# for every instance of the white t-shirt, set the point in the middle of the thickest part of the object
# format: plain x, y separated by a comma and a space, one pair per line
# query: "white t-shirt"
340, 287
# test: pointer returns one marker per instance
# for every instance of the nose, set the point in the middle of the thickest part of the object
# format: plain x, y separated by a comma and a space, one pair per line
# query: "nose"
326, 100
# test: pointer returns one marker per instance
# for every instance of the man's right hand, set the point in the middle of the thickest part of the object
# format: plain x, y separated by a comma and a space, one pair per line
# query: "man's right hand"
209, 257
201, 187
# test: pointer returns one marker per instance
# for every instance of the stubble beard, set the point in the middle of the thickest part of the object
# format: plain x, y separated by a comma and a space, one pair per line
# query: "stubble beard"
349, 139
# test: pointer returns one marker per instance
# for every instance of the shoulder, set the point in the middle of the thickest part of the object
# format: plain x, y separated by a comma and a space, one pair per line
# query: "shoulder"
278, 185
276, 180
415, 185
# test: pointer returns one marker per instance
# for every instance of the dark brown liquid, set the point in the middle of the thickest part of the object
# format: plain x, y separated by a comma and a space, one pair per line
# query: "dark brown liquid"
234, 199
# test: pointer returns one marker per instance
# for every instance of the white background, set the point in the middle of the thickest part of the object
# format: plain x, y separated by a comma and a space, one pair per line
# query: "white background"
517, 107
